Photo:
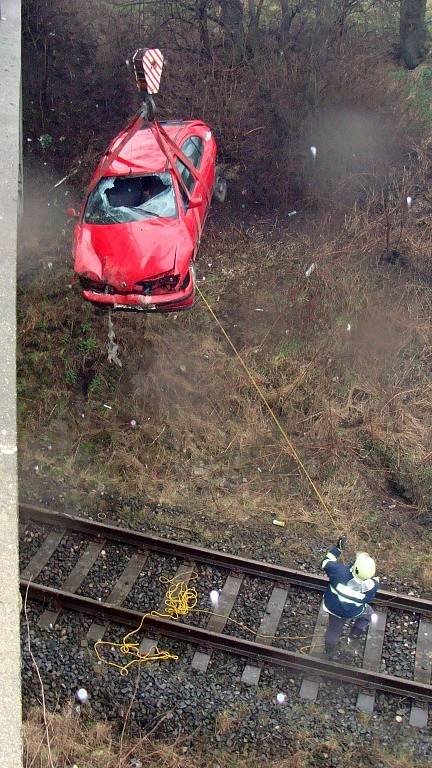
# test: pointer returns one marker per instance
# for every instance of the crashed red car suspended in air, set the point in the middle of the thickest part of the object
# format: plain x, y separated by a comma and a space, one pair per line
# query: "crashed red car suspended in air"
139, 227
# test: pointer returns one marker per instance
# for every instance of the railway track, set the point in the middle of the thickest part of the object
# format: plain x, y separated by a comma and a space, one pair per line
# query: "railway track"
368, 677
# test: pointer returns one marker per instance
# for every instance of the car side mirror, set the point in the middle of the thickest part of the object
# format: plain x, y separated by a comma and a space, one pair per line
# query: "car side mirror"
196, 200
71, 213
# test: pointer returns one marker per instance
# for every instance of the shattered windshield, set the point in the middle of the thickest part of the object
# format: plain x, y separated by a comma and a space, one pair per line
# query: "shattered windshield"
121, 199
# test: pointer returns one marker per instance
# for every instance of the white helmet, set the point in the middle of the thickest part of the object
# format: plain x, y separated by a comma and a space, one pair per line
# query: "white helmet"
364, 567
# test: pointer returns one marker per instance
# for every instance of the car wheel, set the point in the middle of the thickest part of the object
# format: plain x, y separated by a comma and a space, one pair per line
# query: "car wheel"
220, 187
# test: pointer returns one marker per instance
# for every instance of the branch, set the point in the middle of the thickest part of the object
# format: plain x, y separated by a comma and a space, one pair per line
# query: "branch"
129, 710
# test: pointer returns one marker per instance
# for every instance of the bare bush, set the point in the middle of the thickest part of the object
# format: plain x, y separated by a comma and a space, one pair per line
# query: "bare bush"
260, 75
94, 745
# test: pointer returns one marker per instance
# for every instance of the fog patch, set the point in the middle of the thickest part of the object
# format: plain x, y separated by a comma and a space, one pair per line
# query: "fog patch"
45, 231
354, 152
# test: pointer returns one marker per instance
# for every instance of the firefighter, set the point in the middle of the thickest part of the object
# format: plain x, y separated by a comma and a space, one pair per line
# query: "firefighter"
351, 588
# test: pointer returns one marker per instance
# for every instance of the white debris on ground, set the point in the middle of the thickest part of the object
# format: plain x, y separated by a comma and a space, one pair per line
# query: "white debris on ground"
81, 696
310, 269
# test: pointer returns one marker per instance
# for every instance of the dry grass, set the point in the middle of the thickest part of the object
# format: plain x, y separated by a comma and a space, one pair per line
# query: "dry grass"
426, 576
74, 741
356, 403
401, 761
77, 742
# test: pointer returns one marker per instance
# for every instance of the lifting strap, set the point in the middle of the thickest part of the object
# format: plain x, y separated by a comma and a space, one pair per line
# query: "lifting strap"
167, 146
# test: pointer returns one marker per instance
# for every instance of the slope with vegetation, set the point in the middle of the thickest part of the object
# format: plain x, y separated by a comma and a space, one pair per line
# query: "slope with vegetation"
177, 437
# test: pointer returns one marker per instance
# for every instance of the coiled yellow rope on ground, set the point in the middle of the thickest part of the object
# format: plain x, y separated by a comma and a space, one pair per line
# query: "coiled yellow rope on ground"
180, 600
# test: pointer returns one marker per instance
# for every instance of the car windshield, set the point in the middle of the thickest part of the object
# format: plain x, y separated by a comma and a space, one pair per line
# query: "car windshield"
121, 199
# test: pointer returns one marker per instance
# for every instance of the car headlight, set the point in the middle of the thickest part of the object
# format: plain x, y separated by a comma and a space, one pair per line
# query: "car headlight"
171, 281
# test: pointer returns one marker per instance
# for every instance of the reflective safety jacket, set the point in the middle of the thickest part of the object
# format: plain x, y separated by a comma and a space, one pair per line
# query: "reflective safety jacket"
345, 597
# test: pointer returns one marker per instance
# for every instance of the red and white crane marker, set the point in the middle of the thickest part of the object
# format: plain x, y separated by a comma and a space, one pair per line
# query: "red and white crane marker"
148, 64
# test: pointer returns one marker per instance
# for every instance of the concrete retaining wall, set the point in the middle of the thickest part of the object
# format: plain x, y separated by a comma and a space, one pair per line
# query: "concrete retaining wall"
10, 683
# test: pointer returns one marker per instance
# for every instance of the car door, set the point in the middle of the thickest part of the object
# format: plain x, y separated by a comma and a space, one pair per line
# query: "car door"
193, 148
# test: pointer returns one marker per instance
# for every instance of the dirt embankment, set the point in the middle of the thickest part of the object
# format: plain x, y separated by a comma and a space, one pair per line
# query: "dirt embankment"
341, 355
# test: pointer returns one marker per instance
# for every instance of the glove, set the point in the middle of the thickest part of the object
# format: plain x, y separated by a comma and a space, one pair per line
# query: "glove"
341, 542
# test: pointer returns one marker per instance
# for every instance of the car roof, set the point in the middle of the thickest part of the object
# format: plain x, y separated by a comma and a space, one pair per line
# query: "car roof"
142, 152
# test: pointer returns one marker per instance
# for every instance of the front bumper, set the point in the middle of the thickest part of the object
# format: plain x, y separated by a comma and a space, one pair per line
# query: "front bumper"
172, 301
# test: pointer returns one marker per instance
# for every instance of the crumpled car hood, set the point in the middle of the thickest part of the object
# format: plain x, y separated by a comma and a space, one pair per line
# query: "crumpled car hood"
123, 254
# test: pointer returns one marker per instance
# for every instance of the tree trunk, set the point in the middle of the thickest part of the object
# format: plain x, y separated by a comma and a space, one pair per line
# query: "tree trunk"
346, 7
288, 13
232, 22
202, 9
254, 9
413, 32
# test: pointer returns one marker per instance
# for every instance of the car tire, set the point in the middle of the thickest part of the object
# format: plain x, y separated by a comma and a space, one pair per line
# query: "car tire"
220, 186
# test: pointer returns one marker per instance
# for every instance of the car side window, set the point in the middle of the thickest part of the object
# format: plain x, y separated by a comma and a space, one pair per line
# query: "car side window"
193, 149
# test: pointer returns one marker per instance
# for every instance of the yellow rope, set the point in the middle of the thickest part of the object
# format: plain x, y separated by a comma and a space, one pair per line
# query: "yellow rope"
180, 600
270, 410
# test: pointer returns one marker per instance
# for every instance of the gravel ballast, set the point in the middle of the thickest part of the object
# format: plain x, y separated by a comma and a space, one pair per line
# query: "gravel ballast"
63, 560
231, 715
228, 714
399, 647
103, 575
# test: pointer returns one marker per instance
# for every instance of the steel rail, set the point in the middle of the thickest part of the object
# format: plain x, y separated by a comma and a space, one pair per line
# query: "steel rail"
186, 633
211, 557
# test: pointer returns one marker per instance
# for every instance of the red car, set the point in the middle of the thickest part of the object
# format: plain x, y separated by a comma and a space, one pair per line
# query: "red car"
140, 224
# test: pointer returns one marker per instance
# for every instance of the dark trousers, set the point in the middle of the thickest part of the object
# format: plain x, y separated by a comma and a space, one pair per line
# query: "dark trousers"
336, 625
